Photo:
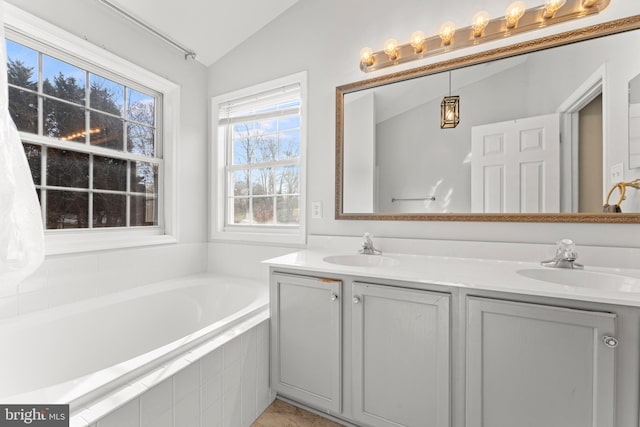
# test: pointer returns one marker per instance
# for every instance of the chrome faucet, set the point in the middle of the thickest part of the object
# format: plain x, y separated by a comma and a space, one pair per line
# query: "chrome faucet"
566, 256
367, 245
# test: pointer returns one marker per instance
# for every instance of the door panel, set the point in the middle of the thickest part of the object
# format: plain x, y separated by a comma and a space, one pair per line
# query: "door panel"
515, 166
535, 365
306, 340
400, 356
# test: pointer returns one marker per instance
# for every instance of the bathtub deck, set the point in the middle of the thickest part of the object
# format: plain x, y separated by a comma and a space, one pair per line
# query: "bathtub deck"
282, 414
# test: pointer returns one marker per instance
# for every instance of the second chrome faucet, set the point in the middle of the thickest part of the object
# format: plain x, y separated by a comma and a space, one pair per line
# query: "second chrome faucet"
566, 256
367, 245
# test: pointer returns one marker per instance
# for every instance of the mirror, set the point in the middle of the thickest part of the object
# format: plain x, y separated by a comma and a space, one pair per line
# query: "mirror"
634, 122
542, 134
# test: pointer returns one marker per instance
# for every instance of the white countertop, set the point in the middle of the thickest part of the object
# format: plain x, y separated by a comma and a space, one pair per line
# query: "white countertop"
473, 273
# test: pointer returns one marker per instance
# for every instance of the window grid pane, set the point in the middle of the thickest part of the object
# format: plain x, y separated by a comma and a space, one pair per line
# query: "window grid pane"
106, 96
69, 103
23, 107
263, 167
67, 209
261, 192
63, 81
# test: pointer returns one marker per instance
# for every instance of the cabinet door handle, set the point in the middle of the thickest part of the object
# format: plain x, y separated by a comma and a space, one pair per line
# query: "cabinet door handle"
610, 342
334, 296
356, 300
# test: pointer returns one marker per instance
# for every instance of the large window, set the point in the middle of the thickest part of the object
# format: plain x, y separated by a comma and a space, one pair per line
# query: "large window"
91, 141
261, 140
100, 134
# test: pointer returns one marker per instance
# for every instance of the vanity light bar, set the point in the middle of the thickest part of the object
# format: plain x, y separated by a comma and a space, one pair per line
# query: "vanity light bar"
517, 20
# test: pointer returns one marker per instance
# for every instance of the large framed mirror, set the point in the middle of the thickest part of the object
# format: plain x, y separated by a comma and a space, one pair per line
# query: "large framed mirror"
547, 130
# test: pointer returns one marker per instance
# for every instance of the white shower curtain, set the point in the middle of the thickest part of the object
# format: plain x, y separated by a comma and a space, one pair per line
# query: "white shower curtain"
21, 233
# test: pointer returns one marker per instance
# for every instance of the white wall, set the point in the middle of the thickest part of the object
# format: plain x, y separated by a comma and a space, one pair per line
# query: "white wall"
68, 277
359, 180
325, 37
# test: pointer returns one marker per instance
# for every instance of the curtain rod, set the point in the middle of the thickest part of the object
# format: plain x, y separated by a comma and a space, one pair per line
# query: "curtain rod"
188, 53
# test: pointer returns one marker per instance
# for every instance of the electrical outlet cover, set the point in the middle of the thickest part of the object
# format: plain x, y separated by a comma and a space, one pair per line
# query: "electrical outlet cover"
316, 210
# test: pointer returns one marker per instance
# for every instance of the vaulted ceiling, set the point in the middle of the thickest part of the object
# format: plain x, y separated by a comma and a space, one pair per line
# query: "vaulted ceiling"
210, 28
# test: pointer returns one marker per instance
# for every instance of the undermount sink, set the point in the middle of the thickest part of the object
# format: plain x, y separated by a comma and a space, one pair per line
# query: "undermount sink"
584, 279
360, 260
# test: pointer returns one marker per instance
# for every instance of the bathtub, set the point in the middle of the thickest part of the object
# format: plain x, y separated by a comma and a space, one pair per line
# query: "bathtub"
84, 353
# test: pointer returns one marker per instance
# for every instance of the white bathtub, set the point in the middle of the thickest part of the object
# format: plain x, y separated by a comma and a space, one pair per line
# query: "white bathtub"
81, 353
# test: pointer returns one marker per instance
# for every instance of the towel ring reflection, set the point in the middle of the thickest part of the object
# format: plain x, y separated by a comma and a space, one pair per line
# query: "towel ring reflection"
622, 188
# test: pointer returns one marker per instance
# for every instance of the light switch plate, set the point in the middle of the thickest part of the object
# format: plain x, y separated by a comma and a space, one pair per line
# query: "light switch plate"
316, 209
617, 173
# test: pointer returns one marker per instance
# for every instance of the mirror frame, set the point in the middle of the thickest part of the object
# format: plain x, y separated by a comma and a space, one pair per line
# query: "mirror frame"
556, 40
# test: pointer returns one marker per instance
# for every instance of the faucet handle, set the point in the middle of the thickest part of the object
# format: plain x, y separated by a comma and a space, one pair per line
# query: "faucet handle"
566, 247
367, 245
566, 256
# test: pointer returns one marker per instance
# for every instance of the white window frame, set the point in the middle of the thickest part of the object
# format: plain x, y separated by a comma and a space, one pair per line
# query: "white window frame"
289, 236
26, 26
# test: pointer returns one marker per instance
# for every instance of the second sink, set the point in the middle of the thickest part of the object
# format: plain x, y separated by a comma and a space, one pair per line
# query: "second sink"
362, 260
584, 279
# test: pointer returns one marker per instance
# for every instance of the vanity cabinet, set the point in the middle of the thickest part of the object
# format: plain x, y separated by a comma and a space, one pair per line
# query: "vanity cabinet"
380, 352
394, 348
306, 340
400, 356
538, 365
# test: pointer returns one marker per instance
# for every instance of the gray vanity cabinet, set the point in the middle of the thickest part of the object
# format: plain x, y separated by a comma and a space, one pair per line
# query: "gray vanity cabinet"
537, 365
400, 356
306, 340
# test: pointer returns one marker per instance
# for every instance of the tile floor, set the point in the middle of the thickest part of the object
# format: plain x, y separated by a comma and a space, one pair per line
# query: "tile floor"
281, 414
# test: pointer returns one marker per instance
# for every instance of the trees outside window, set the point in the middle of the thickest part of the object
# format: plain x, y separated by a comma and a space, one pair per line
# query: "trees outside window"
91, 142
264, 167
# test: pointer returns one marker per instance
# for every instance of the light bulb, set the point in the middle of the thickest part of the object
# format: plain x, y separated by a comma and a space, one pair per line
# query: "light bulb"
551, 7
391, 49
450, 114
589, 3
479, 23
447, 30
366, 57
514, 12
417, 41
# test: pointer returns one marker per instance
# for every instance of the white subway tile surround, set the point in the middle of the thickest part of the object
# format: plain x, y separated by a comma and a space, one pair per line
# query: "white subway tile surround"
227, 387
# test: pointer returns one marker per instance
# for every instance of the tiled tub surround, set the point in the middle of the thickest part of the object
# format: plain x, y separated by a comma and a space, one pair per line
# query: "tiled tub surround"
100, 354
227, 387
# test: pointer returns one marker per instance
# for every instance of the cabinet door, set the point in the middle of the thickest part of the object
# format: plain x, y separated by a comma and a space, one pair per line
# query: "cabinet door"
305, 327
400, 356
539, 366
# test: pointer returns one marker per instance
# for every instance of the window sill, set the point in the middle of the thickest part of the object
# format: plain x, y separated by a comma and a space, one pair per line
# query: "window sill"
261, 238
80, 242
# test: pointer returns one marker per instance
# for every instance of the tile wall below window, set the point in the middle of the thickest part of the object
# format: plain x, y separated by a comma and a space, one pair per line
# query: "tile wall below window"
63, 279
